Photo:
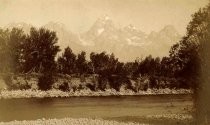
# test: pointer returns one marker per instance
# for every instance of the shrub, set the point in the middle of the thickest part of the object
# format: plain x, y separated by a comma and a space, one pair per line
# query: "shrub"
102, 82
64, 87
8, 81
14, 82
92, 87
45, 81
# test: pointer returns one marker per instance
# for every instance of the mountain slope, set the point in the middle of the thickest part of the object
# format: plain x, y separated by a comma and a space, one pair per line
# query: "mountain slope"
127, 43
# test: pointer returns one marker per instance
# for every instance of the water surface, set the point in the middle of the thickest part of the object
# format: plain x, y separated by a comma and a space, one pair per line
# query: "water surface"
111, 107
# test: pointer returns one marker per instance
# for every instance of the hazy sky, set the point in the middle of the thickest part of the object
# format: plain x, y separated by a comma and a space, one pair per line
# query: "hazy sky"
79, 15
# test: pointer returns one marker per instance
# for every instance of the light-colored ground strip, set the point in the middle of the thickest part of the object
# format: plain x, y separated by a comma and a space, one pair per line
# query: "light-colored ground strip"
68, 121
171, 116
109, 92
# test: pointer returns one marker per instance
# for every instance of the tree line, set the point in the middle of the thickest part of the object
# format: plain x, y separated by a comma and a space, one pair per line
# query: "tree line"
36, 52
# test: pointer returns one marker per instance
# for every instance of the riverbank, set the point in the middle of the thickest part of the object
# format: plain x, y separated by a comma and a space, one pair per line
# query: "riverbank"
153, 119
4, 94
69, 121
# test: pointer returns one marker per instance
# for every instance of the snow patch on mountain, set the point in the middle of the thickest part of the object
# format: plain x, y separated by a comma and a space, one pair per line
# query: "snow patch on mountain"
85, 42
100, 31
130, 42
126, 43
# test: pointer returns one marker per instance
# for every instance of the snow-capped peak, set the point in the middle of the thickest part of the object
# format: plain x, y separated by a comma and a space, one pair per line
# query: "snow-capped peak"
24, 26
131, 27
105, 18
100, 31
54, 25
103, 25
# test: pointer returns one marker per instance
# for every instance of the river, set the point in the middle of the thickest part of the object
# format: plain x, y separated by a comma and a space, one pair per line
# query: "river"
110, 107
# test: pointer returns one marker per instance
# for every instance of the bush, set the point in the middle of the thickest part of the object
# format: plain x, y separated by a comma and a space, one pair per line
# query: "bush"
117, 81
45, 81
8, 81
64, 87
114, 82
92, 87
103, 82
154, 82
14, 82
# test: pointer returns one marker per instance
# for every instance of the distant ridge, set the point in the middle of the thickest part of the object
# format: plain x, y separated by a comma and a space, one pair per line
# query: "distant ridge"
127, 43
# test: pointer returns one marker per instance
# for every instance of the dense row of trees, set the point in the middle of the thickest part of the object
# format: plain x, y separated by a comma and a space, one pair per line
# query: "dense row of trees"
21, 53
36, 52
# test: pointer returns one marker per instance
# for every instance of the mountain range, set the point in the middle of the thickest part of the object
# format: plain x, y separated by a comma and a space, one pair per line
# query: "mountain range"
127, 43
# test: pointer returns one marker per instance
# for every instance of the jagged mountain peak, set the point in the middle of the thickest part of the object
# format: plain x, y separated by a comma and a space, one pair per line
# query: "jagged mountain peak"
102, 26
104, 18
166, 31
126, 43
58, 24
22, 25
104, 22
170, 30
130, 27
18, 24
55, 26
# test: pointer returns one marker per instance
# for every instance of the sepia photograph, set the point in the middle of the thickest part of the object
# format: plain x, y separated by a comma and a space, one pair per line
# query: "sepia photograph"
104, 62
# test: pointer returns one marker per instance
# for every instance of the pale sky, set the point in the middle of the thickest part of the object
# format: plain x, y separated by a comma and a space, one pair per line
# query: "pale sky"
79, 15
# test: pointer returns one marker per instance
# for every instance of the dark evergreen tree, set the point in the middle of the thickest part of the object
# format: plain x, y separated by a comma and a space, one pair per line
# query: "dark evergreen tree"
81, 63
103, 64
67, 62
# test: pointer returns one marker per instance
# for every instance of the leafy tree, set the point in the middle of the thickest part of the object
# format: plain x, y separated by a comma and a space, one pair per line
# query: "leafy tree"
103, 64
111, 72
165, 68
11, 50
4, 36
39, 54
98, 61
40, 50
149, 66
121, 70
112, 63
81, 63
132, 68
67, 62
185, 56
200, 29
64, 87
190, 58
45, 81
